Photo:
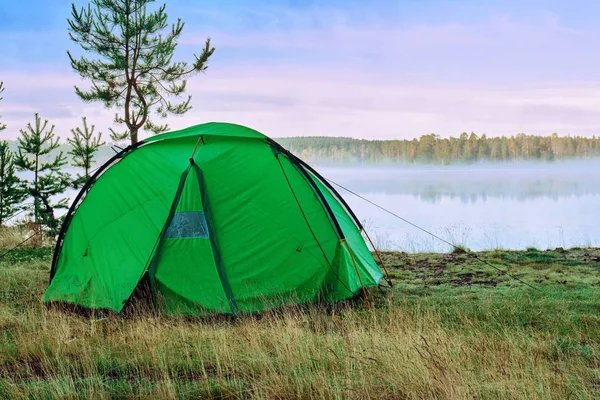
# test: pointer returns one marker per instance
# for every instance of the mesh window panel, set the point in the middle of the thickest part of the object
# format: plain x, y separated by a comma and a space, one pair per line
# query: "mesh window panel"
189, 224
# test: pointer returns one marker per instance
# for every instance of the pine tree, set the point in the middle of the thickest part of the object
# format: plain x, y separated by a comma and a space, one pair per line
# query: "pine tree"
35, 145
133, 71
12, 191
84, 145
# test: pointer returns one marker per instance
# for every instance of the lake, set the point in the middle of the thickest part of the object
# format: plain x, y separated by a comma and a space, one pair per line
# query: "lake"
511, 206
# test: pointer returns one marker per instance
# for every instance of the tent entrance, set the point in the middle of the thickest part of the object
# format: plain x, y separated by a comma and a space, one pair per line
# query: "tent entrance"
186, 274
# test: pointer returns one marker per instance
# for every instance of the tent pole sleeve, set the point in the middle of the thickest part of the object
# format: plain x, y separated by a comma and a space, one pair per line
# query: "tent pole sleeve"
294, 162
305, 167
153, 259
308, 224
213, 241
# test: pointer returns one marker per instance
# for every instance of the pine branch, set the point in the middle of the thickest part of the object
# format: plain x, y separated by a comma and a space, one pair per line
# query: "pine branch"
83, 146
132, 66
12, 190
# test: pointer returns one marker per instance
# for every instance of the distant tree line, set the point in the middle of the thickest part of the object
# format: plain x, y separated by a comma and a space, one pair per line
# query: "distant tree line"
433, 149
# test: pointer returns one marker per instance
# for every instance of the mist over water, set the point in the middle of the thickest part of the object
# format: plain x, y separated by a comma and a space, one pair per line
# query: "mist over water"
481, 206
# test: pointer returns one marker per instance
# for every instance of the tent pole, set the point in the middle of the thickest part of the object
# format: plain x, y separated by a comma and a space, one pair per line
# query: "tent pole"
200, 138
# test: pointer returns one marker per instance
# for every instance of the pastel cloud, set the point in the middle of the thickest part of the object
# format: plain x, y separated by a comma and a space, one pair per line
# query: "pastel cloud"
288, 102
325, 72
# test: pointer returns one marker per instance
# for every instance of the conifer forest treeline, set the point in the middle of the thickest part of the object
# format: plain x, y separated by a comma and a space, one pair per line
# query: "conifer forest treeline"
433, 149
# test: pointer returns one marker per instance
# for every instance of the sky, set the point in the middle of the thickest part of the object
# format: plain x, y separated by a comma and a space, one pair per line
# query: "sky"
377, 69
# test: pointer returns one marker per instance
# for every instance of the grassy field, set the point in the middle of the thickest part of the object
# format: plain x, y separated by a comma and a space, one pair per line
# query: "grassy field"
451, 328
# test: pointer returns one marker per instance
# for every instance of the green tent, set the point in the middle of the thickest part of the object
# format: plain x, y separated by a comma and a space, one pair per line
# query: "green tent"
218, 218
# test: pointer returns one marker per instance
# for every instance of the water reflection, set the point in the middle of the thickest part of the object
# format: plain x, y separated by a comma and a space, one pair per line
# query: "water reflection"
481, 207
472, 184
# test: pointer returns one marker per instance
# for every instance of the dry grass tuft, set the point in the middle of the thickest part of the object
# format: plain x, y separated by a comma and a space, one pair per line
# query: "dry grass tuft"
9, 237
440, 341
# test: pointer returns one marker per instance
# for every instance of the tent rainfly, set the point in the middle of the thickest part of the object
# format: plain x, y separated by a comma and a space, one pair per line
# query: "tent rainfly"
218, 218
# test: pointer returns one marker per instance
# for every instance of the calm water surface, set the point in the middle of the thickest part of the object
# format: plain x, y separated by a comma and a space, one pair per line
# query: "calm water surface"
481, 207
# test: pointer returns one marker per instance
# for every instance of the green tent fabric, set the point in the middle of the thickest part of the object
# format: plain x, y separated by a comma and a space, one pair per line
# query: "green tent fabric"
219, 218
